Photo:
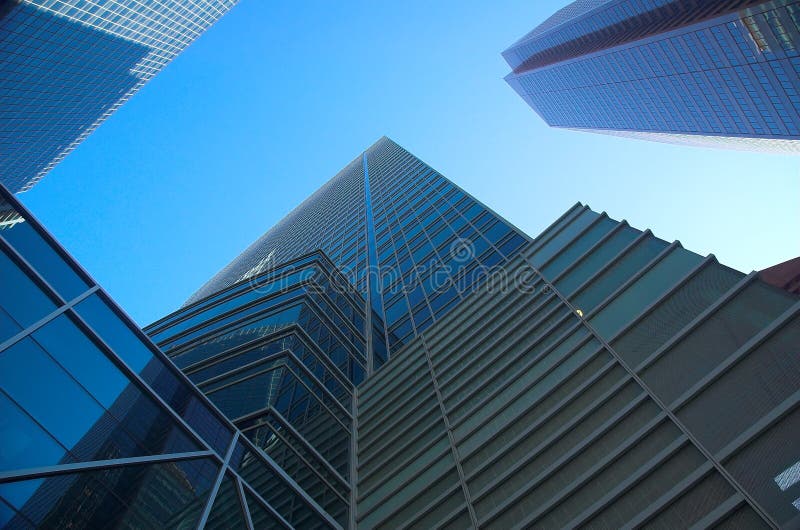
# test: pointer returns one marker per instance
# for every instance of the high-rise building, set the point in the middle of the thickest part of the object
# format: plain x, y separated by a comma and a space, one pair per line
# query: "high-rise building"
475, 377
66, 65
393, 354
722, 73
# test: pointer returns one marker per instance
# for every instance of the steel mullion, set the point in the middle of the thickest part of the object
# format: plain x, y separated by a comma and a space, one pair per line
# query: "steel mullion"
354, 478
450, 437
264, 504
59, 310
212, 496
306, 462
289, 480
248, 519
307, 445
146, 390
77, 467
299, 381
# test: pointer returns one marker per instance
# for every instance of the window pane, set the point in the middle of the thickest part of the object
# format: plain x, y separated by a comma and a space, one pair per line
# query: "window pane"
20, 297
226, 513
110, 327
25, 444
45, 260
168, 495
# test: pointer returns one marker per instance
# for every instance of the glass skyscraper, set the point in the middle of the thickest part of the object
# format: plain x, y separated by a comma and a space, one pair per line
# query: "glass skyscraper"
721, 73
393, 354
66, 65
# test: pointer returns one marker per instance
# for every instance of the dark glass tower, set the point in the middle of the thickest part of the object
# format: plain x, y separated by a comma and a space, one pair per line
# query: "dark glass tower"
722, 73
393, 354
412, 360
66, 65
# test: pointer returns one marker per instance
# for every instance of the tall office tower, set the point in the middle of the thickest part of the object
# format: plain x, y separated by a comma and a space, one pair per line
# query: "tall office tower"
67, 65
721, 73
411, 360
594, 376
280, 339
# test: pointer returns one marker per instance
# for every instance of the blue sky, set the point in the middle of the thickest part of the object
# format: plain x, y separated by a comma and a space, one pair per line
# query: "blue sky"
277, 97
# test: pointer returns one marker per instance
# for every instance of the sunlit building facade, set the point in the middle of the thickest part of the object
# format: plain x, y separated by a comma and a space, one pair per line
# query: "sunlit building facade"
714, 74
66, 65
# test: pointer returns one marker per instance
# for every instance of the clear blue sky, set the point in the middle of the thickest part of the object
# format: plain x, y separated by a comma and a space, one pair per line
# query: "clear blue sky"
278, 96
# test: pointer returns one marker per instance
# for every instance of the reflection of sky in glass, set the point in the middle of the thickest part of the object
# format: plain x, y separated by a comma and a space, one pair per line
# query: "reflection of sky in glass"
56, 400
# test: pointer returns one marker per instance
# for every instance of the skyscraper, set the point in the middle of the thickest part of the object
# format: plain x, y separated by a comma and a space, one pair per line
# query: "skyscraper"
413, 360
708, 73
66, 65
393, 354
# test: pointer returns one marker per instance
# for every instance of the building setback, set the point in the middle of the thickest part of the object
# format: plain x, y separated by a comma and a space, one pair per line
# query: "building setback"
67, 65
394, 354
716, 74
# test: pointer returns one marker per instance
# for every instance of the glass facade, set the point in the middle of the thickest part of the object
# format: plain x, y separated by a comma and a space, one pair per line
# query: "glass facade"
395, 355
99, 429
409, 241
280, 339
66, 65
722, 74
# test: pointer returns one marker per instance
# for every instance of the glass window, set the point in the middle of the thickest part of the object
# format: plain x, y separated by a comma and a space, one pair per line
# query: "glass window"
25, 444
8, 327
20, 297
47, 262
81, 358
226, 512
64, 409
110, 327
170, 494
